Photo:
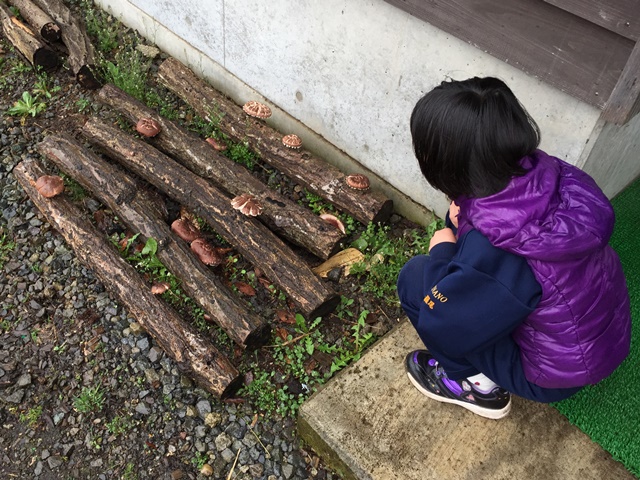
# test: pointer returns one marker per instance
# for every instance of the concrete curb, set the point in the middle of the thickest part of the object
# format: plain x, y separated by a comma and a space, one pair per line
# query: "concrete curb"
370, 423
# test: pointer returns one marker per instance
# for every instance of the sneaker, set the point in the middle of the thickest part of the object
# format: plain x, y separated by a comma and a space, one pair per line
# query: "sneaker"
430, 378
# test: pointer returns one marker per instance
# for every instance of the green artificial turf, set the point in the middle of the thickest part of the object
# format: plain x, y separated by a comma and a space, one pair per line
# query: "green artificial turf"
609, 412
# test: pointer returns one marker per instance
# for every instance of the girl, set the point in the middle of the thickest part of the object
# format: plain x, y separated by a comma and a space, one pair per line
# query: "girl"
520, 293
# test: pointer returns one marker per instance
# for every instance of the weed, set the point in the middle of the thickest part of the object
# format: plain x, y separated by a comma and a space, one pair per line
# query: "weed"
129, 72
91, 399
119, 425
83, 104
98, 27
20, 67
199, 460
28, 105
129, 472
42, 87
6, 246
240, 153
32, 416
385, 256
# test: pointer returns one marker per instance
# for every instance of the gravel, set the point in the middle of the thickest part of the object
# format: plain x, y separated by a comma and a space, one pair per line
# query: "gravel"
61, 332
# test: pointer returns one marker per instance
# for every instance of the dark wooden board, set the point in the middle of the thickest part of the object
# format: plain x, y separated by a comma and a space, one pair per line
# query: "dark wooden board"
566, 51
619, 16
624, 102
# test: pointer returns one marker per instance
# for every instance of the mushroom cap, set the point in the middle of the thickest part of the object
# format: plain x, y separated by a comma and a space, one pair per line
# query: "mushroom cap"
148, 127
333, 220
217, 144
357, 181
159, 288
292, 141
256, 109
205, 252
49, 185
185, 229
247, 204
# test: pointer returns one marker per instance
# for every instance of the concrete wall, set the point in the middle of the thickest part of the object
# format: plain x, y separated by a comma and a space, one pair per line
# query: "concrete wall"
345, 76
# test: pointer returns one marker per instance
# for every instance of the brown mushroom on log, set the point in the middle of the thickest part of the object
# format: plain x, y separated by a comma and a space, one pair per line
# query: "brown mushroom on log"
333, 220
185, 229
292, 141
206, 253
217, 144
357, 181
247, 204
256, 109
147, 127
50, 185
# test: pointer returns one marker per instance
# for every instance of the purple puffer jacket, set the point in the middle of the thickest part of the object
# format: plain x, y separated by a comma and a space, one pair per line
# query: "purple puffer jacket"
560, 221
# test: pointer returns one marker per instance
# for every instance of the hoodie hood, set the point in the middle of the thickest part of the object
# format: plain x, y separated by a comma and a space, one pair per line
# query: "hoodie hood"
554, 212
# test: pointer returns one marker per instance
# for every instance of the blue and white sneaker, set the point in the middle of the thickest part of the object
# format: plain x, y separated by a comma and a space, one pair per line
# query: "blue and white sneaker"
431, 379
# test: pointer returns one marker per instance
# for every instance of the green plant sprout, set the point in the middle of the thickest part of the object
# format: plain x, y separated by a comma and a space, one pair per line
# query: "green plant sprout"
27, 105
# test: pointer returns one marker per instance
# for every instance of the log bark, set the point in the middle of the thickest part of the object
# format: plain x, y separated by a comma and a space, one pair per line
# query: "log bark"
81, 52
284, 217
193, 354
134, 206
251, 238
310, 171
27, 41
38, 19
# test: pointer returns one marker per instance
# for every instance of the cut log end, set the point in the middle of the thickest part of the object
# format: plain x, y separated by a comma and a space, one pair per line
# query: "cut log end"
258, 337
326, 308
51, 32
87, 78
46, 59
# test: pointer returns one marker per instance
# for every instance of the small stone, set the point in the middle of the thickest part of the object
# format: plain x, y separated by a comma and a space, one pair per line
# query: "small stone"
136, 328
256, 470
177, 475
15, 397
206, 470
55, 461
212, 420
142, 409
204, 408
192, 411
154, 354
223, 441
143, 344
38, 469
228, 455
24, 380
148, 51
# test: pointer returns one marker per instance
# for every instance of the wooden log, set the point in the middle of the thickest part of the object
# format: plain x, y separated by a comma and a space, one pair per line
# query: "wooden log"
250, 237
288, 219
38, 19
194, 355
134, 206
82, 57
27, 41
310, 171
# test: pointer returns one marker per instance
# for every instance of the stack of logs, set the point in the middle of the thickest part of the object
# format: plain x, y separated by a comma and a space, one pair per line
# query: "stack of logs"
38, 40
187, 169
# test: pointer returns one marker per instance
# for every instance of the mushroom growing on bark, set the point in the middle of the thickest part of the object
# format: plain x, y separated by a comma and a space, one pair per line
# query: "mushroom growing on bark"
50, 185
185, 229
217, 144
159, 288
206, 253
247, 204
292, 141
333, 220
256, 109
357, 181
148, 127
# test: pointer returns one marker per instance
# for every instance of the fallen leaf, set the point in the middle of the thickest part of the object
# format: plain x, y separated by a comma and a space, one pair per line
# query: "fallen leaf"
245, 288
264, 282
285, 316
282, 333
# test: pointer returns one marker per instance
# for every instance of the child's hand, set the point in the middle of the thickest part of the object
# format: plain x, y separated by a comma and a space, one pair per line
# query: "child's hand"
441, 236
454, 211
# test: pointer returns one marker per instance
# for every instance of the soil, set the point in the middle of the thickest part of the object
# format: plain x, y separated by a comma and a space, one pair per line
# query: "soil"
61, 333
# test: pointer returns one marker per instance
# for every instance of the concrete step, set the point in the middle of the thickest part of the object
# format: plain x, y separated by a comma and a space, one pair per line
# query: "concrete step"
370, 423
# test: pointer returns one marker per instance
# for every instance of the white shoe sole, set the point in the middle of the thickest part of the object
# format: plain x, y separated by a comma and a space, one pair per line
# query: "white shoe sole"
483, 412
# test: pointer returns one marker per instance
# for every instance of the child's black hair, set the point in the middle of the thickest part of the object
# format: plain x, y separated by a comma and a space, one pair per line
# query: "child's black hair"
470, 135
